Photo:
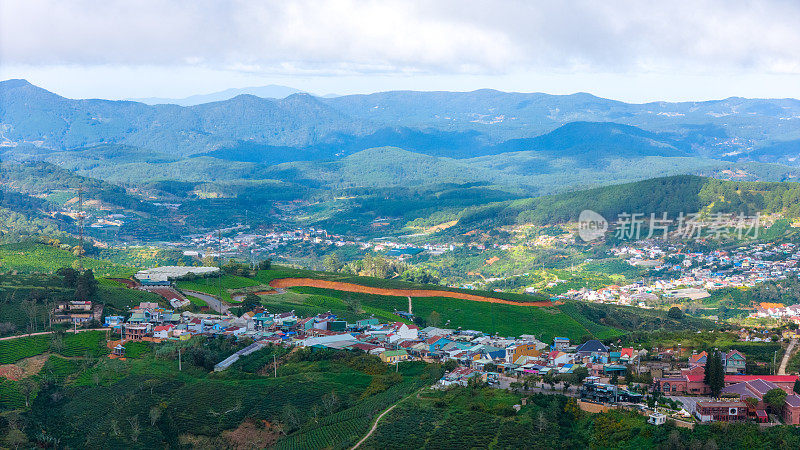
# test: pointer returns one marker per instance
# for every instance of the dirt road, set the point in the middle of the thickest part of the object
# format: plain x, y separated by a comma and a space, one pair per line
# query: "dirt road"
374, 427
349, 287
787, 356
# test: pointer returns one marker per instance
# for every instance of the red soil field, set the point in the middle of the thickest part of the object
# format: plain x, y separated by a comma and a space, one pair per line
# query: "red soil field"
349, 287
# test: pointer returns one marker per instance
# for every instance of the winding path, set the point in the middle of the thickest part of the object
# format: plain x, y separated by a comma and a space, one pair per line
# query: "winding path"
282, 283
787, 356
375, 426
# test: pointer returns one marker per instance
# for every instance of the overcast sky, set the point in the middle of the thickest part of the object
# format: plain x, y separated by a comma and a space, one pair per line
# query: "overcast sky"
629, 50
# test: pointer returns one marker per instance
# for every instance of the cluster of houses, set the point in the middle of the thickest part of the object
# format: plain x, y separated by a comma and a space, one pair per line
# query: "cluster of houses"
476, 353
738, 387
777, 311
245, 242
696, 273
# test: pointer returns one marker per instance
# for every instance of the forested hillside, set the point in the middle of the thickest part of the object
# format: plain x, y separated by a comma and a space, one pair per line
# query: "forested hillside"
687, 194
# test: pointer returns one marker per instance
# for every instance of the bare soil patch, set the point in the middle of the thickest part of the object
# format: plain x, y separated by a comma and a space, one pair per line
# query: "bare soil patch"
281, 283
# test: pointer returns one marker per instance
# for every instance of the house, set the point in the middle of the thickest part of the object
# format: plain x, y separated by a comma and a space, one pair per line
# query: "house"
436, 343
791, 409
595, 391
698, 359
657, 419
514, 352
162, 331
460, 376
135, 332
113, 321
721, 411
394, 356
364, 323
77, 312
405, 331
734, 362
594, 349
560, 343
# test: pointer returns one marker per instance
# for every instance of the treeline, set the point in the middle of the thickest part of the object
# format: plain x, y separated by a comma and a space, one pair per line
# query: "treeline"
380, 267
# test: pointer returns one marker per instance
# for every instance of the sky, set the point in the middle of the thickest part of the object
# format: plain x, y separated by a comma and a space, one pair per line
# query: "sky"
633, 51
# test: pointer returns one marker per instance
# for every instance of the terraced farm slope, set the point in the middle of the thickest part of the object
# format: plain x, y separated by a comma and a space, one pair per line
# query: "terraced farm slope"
281, 283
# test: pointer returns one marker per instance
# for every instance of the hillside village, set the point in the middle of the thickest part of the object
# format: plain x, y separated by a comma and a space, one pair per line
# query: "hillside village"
590, 370
690, 275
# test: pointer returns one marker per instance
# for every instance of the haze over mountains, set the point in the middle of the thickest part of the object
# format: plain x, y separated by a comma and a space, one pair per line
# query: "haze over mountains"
523, 140
269, 91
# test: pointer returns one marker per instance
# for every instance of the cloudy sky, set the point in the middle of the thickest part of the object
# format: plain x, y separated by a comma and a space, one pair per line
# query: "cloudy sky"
635, 50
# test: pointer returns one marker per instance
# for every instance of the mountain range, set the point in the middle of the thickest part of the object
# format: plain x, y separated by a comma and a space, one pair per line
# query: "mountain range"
538, 142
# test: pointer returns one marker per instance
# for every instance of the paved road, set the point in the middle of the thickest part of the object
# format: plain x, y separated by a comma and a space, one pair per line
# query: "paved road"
212, 301
786, 356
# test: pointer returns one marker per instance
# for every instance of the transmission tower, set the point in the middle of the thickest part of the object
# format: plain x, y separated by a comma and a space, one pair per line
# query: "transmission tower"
81, 216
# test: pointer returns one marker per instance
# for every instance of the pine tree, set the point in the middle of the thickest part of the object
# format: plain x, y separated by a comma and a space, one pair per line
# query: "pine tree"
796, 387
714, 373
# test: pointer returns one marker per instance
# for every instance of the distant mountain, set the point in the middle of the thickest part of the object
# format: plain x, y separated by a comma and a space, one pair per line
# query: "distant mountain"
591, 141
463, 125
269, 91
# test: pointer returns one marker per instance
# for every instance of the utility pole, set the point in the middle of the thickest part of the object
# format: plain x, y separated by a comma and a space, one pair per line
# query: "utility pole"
275, 364
179, 359
774, 357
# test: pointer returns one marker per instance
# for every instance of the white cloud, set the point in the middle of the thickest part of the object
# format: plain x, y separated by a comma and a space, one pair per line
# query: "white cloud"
405, 36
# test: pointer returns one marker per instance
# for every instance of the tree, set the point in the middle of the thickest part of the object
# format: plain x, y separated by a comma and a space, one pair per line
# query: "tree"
614, 378
675, 313
331, 263
135, 430
796, 387
775, 399
69, 276
265, 264
714, 375
250, 302
580, 374
353, 304
291, 417
155, 413
434, 319
86, 286
30, 310
450, 365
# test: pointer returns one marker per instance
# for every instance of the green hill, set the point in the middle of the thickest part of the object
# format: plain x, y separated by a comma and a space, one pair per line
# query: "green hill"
688, 194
